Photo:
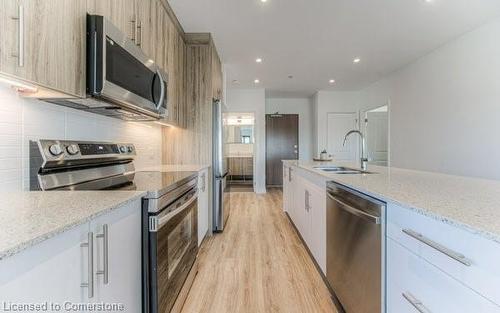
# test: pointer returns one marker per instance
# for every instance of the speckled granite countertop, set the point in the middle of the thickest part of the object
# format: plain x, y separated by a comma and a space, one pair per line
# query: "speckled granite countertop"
469, 203
175, 168
28, 218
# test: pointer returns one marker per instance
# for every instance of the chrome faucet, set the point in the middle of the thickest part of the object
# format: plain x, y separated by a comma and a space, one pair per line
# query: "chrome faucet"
363, 160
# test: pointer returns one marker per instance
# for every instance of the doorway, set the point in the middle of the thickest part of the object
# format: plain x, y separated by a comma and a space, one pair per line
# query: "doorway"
376, 130
239, 139
282, 143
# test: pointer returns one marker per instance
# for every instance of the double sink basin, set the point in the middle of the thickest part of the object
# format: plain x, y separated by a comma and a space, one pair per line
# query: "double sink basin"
341, 170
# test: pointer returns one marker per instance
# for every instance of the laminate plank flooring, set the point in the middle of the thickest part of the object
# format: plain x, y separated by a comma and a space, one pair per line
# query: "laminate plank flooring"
258, 264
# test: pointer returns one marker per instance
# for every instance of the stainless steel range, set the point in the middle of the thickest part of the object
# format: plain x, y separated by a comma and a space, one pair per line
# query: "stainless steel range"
169, 210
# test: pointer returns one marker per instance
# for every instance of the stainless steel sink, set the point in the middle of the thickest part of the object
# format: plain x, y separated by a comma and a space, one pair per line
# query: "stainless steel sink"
341, 170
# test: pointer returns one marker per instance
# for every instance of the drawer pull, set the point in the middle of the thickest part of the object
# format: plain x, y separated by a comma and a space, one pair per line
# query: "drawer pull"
452, 254
417, 304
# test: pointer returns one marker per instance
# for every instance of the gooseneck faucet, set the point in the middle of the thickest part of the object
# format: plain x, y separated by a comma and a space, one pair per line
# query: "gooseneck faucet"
363, 159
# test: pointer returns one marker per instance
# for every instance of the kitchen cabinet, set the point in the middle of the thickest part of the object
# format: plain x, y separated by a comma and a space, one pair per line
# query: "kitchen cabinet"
43, 42
203, 205
117, 257
317, 226
51, 271
54, 270
121, 13
241, 167
469, 259
305, 202
415, 285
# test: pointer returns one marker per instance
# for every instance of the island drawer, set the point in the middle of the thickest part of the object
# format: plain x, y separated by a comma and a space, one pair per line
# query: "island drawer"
467, 257
415, 285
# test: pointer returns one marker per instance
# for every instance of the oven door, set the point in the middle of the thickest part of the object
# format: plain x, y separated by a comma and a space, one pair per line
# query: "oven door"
118, 71
173, 250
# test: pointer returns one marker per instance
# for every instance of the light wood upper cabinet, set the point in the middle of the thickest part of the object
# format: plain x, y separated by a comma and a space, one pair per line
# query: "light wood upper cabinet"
55, 46
145, 11
119, 12
9, 38
44, 43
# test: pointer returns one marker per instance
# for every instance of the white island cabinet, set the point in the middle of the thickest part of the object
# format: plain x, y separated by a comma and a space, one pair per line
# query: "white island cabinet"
304, 199
441, 267
70, 268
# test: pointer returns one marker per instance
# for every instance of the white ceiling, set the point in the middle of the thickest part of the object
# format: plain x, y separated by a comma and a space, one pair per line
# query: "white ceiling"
316, 40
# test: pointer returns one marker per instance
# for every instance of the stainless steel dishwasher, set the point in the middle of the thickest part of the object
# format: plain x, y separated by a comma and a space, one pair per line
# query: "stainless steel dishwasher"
355, 257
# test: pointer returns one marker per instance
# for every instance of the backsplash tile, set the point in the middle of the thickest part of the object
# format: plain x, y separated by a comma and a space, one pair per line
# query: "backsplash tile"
22, 120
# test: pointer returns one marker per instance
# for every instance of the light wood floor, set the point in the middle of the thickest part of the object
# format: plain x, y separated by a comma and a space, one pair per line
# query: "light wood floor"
257, 265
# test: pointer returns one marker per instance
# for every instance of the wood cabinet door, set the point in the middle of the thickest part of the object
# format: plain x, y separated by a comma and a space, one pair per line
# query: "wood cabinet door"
144, 28
54, 44
51, 271
10, 37
123, 256
203, 216
119, 12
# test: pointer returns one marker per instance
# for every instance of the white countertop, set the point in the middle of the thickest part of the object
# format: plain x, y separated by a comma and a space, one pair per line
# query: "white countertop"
470, 203
175, 168
28, 218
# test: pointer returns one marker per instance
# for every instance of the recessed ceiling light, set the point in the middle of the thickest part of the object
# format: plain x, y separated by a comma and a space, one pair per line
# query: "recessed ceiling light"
256, 81
263, 0
258, 60
331, 81
290, 76
356, 60
235, 81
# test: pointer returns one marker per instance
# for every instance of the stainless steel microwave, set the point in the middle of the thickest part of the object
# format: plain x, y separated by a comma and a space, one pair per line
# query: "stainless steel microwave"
118, 71
122, 81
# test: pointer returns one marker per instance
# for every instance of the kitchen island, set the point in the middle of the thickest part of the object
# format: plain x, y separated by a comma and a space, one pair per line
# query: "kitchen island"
441, 232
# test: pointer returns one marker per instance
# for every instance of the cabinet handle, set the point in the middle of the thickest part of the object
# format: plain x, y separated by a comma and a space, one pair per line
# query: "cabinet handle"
204, 177
417, 304
138, 36
452, 254
20, 44
289, 174
105, 237
307, 200
133, 28
90, 268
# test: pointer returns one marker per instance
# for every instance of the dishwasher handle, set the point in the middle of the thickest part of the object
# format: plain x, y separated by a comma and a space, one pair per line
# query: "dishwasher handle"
354, 211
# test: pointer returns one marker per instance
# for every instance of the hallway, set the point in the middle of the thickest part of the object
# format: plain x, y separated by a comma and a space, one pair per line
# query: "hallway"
258, 264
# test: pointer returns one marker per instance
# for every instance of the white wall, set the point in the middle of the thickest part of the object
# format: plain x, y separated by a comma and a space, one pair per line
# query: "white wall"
325, 102
253, 101
302, 107
22, 120
445, 107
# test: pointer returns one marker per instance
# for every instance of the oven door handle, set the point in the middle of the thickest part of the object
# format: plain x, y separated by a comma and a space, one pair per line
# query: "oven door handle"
162, 221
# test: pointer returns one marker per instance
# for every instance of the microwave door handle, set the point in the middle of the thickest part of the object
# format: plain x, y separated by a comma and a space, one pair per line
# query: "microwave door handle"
162, 90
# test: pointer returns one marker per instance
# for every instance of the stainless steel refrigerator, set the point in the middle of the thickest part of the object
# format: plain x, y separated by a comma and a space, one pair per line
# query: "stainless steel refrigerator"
221, 199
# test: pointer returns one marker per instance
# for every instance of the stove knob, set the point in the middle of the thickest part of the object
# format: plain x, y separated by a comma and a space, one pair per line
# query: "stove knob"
130, 149
123, 149
55, 150
72, 149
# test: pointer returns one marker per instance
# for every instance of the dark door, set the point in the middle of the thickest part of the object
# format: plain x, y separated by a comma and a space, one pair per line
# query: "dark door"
282, 143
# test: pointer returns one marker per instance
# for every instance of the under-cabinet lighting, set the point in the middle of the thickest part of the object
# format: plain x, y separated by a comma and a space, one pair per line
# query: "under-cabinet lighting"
165, 124
18, 86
